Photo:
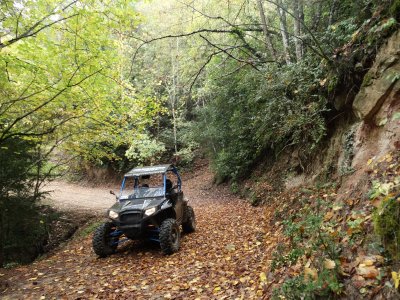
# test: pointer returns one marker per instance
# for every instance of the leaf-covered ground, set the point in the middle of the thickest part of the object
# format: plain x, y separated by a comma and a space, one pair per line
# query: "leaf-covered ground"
226, 258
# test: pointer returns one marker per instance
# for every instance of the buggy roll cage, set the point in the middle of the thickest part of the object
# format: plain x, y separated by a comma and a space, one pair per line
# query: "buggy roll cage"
159, 169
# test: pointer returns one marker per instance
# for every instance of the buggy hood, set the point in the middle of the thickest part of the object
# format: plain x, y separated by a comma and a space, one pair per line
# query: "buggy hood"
136, 204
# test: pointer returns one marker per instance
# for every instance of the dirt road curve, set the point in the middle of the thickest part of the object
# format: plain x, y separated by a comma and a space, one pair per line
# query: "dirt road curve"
70, 197
226, 258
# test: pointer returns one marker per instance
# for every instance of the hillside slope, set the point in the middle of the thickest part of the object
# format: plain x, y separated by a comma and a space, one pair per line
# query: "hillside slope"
340, 220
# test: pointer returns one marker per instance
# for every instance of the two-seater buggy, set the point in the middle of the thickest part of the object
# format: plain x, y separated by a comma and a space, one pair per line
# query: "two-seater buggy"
150, 206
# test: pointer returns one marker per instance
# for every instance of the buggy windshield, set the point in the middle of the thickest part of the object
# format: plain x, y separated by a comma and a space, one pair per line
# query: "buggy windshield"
136, 187
141, 192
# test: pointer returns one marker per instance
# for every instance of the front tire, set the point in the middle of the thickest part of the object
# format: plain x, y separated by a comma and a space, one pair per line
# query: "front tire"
103, 243
190, 224
169, 236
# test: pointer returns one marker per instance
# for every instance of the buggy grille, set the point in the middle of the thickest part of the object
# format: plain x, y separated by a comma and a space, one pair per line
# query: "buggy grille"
131, 218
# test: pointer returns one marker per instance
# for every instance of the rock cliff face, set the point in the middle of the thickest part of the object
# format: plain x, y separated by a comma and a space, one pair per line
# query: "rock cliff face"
377, 107
372, 134
381, 84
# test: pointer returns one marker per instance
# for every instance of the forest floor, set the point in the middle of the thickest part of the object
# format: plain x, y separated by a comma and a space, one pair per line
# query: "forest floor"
226, 258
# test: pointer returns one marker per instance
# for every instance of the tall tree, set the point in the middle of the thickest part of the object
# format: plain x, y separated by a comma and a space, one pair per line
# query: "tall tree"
284, 30
267, 35
298, 22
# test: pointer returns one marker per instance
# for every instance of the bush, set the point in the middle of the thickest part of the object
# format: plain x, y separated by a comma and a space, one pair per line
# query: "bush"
387, 224
22, 228
254, 114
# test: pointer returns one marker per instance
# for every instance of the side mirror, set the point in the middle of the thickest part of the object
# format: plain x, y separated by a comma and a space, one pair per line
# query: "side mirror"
113, 193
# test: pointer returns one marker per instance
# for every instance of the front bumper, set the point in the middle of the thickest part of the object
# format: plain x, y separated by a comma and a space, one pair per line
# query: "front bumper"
134, 224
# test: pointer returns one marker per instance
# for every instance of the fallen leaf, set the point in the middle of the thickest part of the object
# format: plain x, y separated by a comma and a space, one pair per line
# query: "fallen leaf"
263, 277
396, 279
216, 289
328, 216
368, 262
367, 271
329, 264
230, 247
310, 273
336, 207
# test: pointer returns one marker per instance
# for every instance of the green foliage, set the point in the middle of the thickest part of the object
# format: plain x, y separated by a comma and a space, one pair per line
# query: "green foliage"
394, 9
387, 224
90, 228
22, 227
254, 114
327, 286
310, 236
383, 189
144, 148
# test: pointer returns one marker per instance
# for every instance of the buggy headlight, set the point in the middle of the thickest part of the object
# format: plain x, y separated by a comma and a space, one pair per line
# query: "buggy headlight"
112, 214
150, 211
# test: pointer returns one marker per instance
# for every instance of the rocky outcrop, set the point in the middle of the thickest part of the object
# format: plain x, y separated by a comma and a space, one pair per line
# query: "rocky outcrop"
377, 132
381, 83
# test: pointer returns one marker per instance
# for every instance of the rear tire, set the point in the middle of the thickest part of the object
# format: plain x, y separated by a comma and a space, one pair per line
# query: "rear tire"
169, 236
103, 243
190, 224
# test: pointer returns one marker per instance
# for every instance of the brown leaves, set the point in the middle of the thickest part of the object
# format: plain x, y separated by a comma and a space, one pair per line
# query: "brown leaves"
367, 271
225, 259
310, 274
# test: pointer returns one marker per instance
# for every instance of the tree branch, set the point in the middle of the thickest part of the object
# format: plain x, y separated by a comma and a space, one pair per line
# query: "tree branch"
33, 30
320, 51
229, 54
5, 135
204, 30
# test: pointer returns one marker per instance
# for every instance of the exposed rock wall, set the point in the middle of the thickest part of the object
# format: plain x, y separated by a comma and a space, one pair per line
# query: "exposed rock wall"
381, 84
374, 133
377, 107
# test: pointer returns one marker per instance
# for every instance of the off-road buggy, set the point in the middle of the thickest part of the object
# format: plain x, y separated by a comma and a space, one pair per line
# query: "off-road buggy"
150, 206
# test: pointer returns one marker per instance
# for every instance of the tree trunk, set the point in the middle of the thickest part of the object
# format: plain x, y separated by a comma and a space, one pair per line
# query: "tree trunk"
298, 18
316, 16
264, 23
173, 96
284, 31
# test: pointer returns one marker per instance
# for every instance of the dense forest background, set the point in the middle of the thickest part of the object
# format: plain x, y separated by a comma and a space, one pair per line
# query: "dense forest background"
114, 84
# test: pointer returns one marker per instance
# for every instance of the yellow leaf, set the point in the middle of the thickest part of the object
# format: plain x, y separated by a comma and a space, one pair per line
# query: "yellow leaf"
329, 264
311, 273
328, 216
336, 208
216, 289
263, 277
367, 271
368, 262
396, 279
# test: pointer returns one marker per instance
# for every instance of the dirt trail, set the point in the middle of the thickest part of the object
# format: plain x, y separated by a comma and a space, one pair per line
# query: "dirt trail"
226, 258
66, 196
